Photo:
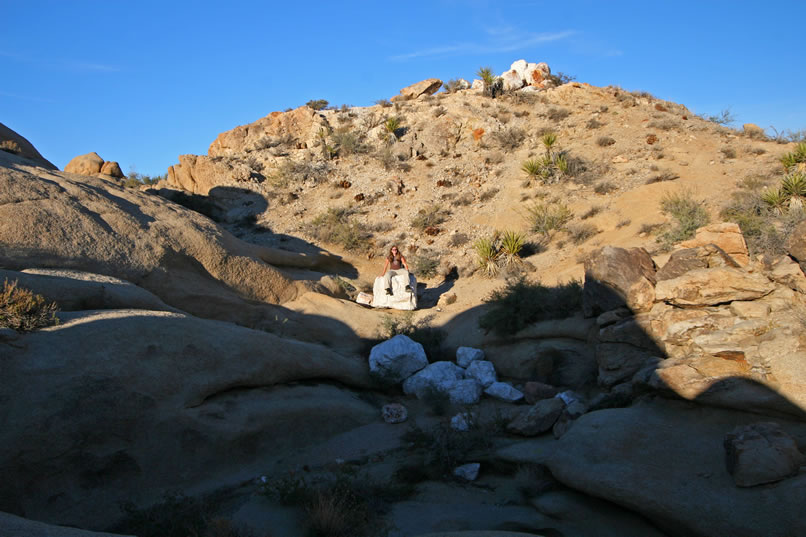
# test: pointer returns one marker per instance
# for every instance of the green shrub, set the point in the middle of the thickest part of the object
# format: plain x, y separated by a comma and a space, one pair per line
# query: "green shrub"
509, 139
432, 216
425, 265
336, 226
520, 303
547, 218
317, 104
24, 311
794, 185
688, 213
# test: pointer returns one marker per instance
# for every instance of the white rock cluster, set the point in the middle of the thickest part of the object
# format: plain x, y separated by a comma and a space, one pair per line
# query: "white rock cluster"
402, 359
523, 75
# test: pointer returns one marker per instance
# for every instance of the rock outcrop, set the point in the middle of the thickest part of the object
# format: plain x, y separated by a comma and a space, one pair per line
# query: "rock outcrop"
13, 143
425, 87
92, 164
121, 404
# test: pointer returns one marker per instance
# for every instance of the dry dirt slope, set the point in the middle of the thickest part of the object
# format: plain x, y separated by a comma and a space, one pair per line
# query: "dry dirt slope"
458, 158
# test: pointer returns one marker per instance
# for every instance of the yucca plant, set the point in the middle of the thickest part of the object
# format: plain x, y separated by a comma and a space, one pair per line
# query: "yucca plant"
794, 184
561, 163
549, 140
486, 75
487, 255
391, 126
511, 245
794, 158
533, 168
776, 199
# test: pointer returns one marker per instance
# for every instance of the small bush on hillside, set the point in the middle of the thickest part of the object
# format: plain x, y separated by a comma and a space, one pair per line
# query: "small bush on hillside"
594, 123
605, 187
432, 216
579, 233
546, 218
452, 85
557, 114
425, 265
24, 311
521, 303
590, 213
561, 78
662, 177
346, 143
336, 226
509, 139
688, 213
604, 141
724, 118
317, 104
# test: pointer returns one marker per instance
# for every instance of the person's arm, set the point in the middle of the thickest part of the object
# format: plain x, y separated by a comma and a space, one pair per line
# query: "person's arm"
403, 260
385, 266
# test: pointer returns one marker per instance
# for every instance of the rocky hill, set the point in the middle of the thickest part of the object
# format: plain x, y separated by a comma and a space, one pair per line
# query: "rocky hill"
208, 341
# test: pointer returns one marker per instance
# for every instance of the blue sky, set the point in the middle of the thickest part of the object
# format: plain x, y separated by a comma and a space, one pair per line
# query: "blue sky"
143, 82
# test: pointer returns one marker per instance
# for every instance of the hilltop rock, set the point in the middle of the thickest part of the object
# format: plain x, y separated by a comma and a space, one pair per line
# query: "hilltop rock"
200, 174
121, 404
299, 125
88, 164
522, 74
425, 87
112, 169
13, 143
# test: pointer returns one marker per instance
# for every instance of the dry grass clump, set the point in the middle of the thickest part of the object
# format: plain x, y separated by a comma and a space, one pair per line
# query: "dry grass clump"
688, 215
547, 218
557, 114
429, 217
604, 141
605, 187
337, 226
579, 233
662, 177
24, 311
509, 139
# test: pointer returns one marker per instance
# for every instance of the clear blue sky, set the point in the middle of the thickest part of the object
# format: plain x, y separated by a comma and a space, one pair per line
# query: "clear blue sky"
142, 82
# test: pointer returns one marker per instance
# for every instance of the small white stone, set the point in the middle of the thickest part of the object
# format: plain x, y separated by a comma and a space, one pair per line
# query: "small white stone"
468, 472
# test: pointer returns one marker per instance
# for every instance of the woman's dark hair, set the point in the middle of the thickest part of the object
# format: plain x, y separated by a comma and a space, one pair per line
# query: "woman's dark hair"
391, 256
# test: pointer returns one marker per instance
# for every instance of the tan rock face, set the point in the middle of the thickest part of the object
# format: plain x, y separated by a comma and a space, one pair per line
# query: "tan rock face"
18, 145
112, 169
615, 277
88, 164
199, 174
686, 259
424, 87
796, 246
708, 287
300, 124
726, 236
787, 272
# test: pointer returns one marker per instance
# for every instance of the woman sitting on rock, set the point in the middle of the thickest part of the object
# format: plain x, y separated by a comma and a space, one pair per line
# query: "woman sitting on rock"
394, 263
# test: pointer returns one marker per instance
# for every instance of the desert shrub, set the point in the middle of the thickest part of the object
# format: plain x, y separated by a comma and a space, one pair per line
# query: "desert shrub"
663, 176
426, 265
561, 78
447, 448
24, 311
346, 142
509, 139
452, 85
557, 114
317, 104
579, 233
728, 152
392, 128
488, 194
604, 141
336, 226
10, 146
431, 216
546, 218
605, 187
688, 213
176, 515
386, 158
594, 123
464, 200
724, 118
291, 172
590, 213
664, 125
520, 303
439, 111
458, 239
383, 103
623, 223
511, 245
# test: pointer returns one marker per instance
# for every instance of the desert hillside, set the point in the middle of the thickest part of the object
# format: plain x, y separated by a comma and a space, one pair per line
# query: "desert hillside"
608, 339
